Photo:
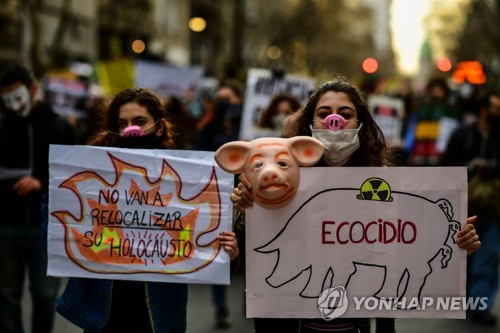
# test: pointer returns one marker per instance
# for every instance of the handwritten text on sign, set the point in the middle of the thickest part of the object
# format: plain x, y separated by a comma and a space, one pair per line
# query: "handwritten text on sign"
379, 233
137, 214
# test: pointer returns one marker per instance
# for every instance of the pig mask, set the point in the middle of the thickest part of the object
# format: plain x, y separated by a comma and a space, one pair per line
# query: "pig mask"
271, 165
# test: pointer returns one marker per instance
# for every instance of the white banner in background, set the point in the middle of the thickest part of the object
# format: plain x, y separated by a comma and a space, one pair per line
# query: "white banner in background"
166, 80
388, 113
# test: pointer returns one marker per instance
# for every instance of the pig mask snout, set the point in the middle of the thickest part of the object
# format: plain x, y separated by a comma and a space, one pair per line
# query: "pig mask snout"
272, 182
271, 178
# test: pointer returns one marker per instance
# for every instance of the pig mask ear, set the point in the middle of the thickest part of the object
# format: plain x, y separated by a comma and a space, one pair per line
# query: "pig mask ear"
231, 157
306, 150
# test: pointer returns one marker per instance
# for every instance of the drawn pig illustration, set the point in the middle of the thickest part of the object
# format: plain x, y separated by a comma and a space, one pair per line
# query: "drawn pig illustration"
376, 227
271, 165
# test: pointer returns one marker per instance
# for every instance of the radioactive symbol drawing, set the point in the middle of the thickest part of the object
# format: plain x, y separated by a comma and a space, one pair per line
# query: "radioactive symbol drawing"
375, 189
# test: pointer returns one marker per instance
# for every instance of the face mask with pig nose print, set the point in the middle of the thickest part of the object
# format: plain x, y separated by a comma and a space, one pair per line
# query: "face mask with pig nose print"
339, 143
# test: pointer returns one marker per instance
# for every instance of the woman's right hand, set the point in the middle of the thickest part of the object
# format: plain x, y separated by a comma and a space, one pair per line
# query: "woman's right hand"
242, 196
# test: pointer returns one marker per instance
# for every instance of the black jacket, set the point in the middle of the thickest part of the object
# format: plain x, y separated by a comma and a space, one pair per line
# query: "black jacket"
24, 145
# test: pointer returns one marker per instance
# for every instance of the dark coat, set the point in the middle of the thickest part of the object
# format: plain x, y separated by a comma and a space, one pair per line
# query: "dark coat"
24, 149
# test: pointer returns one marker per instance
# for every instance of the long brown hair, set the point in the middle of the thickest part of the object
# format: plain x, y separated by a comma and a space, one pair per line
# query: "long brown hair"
372, 149
144, 98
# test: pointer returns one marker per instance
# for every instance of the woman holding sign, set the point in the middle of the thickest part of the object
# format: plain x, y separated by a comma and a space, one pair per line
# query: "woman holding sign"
337, 115
135, 119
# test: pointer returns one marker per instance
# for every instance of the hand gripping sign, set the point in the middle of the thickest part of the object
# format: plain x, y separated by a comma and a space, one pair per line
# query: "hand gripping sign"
271, 165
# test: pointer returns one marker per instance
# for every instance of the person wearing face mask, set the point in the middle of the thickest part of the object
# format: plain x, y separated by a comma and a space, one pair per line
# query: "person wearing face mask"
477, 146
219, 125
272, 118
135, 119
27, 128
222, 124
430, 126
337, 115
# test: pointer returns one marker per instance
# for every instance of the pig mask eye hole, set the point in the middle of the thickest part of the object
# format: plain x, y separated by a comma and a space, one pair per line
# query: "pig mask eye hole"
258, 165
282, 164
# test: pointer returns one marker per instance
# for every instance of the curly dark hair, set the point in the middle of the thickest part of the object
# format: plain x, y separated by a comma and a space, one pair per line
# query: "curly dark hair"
144, 98
372, 149
14, 73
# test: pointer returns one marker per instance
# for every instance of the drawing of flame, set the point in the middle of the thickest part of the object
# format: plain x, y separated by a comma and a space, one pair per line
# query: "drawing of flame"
97, 256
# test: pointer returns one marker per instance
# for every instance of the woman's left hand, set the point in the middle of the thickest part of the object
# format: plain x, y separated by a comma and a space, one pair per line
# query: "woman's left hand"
467, 237
228, 240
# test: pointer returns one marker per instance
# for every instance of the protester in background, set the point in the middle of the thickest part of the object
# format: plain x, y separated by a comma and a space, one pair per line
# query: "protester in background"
221, 124
273, 117
280, 106
209, 107
466, 98
477, 146
431, 125
99, 305
224, 125
176, 113
362, 144
27, 129
190, 113
406, 94
95, 106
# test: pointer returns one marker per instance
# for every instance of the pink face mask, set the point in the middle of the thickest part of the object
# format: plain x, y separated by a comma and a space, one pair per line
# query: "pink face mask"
334, 122
134, 130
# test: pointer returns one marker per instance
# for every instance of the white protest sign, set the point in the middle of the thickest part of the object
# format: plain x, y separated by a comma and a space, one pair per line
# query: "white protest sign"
372, 242
67, 96
131, 214
261, 86
166, 80
388, 113
447, 126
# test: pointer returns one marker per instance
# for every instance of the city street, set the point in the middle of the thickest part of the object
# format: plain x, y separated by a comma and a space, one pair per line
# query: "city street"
135, 136
201, 315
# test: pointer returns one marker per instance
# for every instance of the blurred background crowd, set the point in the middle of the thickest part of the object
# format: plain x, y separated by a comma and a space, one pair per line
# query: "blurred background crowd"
413, 53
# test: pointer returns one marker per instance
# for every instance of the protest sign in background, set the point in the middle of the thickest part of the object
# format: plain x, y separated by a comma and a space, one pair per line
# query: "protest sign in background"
164, 80
148, 215
66, 96
167, 80
388, 113
115, 75
378, 232
261, 86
